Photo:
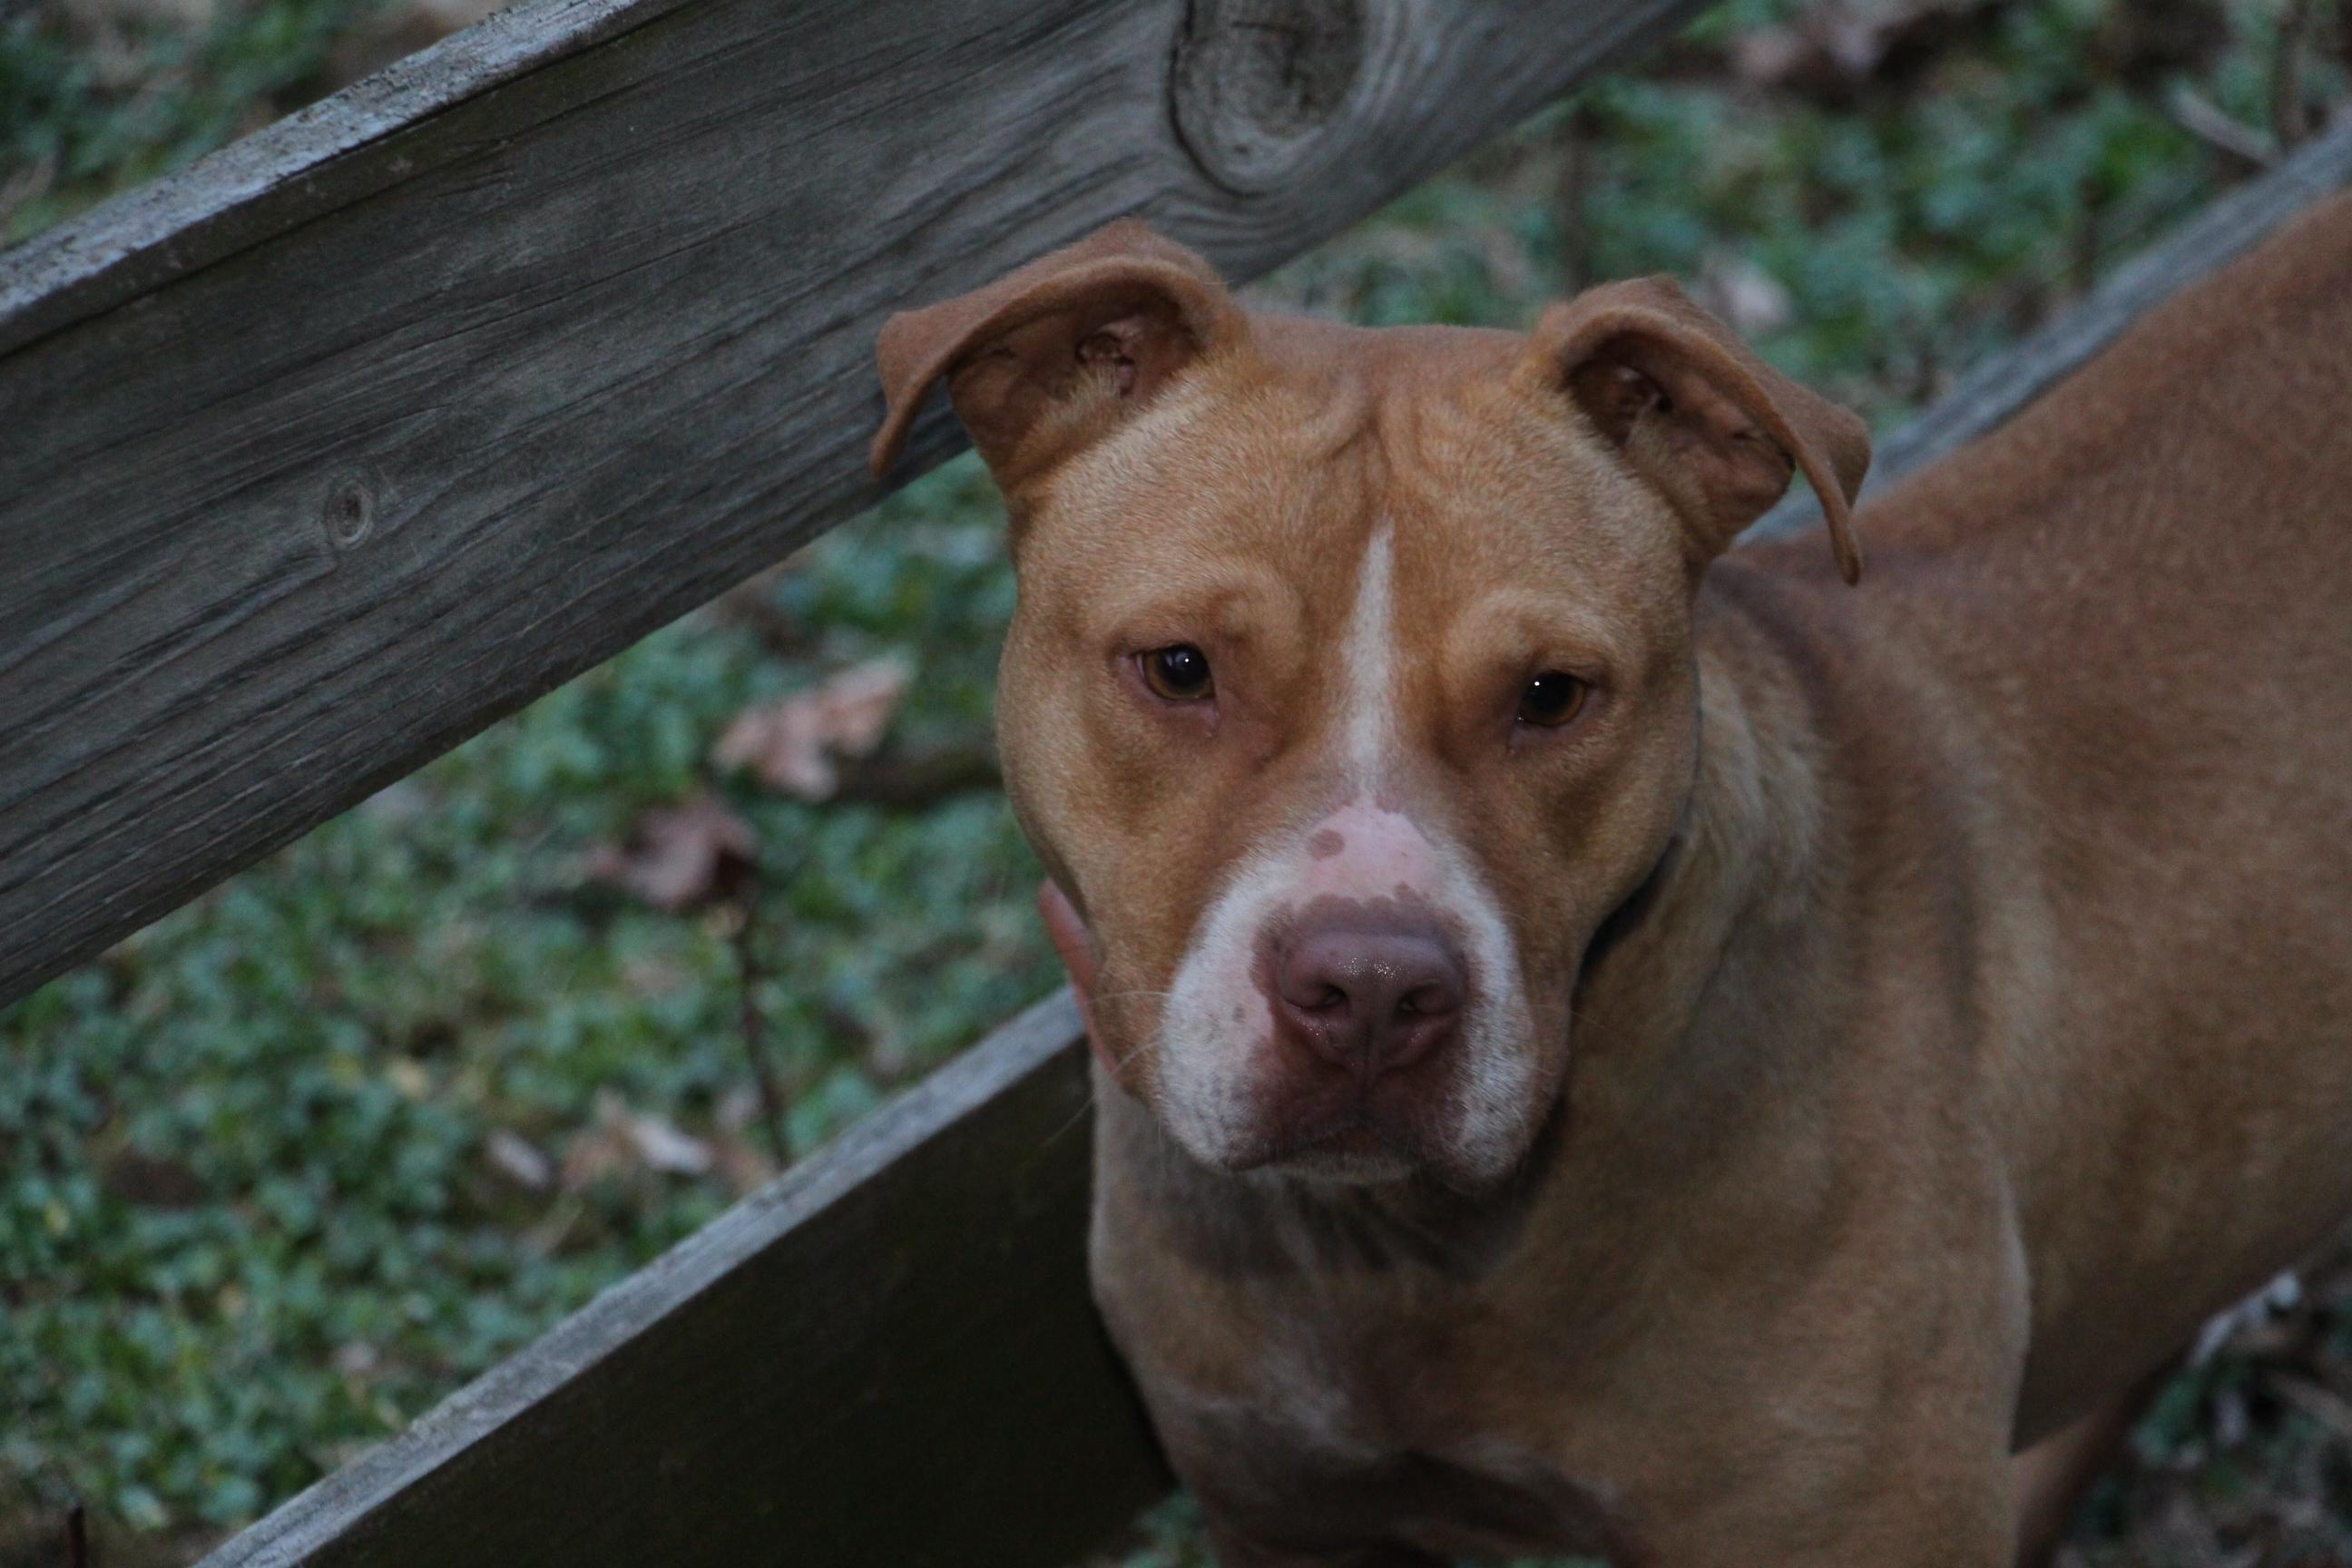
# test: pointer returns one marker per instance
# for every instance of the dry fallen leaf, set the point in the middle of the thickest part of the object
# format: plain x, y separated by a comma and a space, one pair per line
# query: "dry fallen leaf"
795, 745
743, 1165
151, 1181
623, 1139
1846, 41
665, 1149
518, 1160
390, 33
1749, 298
682, 856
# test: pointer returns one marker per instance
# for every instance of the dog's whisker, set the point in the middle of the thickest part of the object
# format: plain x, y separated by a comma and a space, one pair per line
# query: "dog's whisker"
1077, 1116
1080, 1115
1129, 996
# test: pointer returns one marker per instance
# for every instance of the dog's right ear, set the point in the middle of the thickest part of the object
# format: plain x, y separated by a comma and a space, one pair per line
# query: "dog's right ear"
1050, 357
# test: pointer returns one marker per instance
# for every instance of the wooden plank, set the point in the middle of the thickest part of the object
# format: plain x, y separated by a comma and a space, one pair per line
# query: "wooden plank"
354, 438
888, 1356
2222, 231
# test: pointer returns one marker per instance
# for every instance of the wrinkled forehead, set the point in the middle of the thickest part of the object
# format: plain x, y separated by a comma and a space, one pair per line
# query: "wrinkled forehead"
1273, 472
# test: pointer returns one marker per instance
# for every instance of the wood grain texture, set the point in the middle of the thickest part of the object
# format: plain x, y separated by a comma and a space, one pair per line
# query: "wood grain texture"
887, 1357
1990, 394
351, 439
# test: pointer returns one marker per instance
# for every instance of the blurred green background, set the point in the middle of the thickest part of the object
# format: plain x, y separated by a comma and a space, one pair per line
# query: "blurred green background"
279, 1171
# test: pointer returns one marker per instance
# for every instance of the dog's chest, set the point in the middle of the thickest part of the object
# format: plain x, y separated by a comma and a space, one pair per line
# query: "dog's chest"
1402, 1427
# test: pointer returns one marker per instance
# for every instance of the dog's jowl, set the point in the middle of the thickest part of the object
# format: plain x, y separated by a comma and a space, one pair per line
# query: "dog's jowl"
1608, 1041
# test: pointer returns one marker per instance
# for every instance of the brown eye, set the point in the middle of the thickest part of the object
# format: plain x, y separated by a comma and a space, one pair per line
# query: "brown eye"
1180, 674
1551, 700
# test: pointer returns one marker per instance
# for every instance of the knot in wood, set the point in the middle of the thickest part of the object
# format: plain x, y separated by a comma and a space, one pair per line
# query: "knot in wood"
1259, 84
348, 511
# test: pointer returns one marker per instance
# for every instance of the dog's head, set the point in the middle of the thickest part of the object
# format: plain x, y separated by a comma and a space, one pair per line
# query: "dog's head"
1351, 686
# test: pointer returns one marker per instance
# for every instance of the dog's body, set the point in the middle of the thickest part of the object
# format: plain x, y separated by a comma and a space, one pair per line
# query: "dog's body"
1831, 1096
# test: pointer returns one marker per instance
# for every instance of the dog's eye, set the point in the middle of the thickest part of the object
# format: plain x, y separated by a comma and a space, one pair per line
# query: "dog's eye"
1551, 700
1180, 674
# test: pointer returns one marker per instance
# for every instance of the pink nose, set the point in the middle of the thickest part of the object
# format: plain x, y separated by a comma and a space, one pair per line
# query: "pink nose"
1373, 999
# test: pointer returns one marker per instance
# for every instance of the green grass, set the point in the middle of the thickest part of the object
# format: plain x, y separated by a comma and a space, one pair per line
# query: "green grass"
253, 1211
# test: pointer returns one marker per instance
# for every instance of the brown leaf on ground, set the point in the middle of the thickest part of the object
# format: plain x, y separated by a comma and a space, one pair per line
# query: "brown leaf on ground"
623, 1139
1841, 42
518, 1160
392, 33
1744, 294
742, 1165
898, 778
797, 745
682, 856
151, 1181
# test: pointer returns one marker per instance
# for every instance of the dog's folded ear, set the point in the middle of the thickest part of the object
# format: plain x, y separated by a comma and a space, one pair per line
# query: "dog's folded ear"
1051, 356
1696, 412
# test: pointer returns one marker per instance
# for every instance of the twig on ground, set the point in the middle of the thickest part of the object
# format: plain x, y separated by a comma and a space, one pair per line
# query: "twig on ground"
2329, 1409
754, 1025
1568, 199
2217, 128
743, 897
2289, 123
909, 780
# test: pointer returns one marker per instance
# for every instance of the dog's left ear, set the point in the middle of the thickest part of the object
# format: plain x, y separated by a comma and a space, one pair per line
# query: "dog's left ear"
1052, 355
1696, 412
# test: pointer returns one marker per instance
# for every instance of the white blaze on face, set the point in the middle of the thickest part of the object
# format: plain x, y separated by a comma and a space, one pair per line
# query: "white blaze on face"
1369, 664
1217, 1045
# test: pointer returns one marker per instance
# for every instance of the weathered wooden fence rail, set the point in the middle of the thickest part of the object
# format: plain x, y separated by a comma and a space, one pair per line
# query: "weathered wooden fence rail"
319, 458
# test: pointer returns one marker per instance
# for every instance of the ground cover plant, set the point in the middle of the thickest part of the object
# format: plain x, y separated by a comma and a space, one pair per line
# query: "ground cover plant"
281, 1171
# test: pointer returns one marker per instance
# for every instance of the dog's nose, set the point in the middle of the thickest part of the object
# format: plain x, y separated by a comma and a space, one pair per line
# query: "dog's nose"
1369, 999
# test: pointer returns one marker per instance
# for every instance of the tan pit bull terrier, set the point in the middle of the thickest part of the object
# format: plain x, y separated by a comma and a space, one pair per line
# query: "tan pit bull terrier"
1614, 1043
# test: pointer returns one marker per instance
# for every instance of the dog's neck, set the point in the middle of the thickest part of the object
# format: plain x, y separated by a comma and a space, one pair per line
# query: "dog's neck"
1732, 887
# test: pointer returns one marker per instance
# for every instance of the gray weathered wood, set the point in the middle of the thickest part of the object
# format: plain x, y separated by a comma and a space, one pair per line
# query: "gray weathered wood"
2224, 228
317, 458
888, 1357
